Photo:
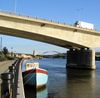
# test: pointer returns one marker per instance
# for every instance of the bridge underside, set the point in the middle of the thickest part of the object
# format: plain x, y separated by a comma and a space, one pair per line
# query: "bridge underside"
37, 37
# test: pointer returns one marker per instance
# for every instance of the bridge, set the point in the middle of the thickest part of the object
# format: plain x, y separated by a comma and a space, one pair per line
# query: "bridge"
80, 41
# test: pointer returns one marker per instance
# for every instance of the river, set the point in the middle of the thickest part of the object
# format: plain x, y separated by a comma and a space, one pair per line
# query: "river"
67, 83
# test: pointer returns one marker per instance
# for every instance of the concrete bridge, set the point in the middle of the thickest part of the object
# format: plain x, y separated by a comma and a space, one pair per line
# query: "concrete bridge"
79, 41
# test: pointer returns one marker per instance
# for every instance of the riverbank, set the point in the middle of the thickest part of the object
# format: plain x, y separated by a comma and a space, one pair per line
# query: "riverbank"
4, 65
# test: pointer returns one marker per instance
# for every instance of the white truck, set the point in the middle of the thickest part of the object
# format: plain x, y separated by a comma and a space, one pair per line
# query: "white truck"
84, 25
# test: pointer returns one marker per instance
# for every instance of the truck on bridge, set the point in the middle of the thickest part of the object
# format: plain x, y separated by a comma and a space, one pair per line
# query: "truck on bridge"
84, 25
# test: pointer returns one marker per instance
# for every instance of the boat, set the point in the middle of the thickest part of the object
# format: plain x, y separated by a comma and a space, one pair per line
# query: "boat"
35, 76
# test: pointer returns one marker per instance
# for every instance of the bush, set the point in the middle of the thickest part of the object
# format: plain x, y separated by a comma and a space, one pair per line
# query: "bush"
10, 58
2, 57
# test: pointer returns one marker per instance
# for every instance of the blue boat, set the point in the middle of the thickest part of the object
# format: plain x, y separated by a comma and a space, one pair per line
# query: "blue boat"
35, 76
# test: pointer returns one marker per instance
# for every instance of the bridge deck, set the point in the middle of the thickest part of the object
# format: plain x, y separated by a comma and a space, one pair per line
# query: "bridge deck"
63, 35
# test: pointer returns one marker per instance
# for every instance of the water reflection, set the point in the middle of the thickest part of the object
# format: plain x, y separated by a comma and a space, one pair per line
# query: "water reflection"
31, 92
81, 83
42, 93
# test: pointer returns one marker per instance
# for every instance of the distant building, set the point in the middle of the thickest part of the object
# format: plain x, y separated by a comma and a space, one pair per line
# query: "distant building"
33, 52
20, 55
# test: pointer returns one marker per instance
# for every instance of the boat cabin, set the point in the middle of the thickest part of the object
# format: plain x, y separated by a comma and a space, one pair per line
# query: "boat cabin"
32, 65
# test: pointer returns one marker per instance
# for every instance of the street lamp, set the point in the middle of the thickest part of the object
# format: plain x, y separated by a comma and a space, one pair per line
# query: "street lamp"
15, 6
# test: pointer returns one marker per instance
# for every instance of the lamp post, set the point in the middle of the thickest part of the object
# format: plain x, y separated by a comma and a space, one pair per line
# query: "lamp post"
15, 5
79, 10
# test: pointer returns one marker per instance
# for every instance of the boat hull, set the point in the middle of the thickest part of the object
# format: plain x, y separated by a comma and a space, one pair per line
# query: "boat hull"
35, 77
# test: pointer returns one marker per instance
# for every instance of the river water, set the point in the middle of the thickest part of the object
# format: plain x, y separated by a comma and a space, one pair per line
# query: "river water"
66, 83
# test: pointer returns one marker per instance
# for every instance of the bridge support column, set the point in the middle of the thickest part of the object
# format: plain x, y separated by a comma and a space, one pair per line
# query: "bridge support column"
83, 58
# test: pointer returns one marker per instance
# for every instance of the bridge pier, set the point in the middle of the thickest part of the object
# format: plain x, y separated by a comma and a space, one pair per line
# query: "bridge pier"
83, 58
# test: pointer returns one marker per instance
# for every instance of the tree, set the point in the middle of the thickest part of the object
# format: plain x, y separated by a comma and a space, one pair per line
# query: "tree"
5, 50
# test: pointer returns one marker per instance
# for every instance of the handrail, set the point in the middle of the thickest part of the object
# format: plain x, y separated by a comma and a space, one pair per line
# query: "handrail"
10, 81
15, 84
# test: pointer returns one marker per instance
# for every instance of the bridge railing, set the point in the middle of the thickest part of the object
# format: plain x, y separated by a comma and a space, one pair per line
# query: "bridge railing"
9, 83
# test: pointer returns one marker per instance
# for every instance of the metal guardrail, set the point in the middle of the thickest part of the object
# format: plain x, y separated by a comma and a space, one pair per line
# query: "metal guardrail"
10, 81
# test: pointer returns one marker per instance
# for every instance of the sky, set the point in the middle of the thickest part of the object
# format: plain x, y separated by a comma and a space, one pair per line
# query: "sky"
64, 11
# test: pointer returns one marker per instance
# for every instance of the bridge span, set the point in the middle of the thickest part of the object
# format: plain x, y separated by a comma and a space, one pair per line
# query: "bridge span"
54, 33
